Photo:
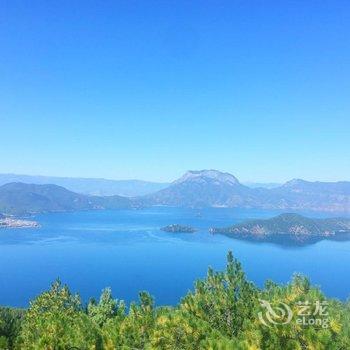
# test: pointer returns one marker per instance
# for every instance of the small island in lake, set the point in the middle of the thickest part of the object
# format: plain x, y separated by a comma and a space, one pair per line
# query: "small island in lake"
176, 228
289, 228
6, 222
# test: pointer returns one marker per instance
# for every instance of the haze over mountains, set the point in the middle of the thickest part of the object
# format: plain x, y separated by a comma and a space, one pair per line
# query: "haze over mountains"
196, 189
89, 186
99, 186
19, 198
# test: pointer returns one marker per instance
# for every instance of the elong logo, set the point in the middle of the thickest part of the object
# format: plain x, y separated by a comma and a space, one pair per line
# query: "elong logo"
281, 313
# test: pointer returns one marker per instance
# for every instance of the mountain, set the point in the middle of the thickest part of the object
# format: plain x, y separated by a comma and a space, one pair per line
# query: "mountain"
90, 186
203, 188
195, 189
199, 176
20, 198
289, 227
305, 195
212, 188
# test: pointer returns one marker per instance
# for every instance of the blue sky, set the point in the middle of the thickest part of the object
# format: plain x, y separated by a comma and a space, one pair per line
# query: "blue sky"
150, 89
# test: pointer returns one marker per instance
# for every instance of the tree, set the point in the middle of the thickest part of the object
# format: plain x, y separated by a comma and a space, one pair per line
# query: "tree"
106, 309
226, 300
134, 330
221, 314
55, 321
10, 323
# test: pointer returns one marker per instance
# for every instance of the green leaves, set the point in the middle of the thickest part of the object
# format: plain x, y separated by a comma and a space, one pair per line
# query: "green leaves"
106, 309
56, 320
10, 323
224, 299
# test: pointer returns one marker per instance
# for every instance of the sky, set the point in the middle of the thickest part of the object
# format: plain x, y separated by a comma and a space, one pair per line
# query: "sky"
150, 89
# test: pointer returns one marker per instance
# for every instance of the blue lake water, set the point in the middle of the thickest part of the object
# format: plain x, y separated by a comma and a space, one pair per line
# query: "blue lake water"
126, 250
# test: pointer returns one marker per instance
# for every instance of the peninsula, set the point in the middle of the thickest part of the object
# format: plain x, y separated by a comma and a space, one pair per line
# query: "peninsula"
289, 227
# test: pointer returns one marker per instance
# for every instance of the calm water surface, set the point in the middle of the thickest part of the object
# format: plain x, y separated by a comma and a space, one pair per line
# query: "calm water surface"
126, 251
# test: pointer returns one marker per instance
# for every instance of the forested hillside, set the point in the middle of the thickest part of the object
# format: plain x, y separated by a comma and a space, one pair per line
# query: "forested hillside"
225, 311
289, 227
20, 198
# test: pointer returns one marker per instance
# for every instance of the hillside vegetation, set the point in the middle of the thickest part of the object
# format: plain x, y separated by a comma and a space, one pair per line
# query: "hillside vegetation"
221, 313
20, 198
289, 226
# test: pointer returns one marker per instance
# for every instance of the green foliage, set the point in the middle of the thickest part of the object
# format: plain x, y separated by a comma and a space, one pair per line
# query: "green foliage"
107, 308
56, 320
134, 330
176, 329
10, 323
224, 299
220, 314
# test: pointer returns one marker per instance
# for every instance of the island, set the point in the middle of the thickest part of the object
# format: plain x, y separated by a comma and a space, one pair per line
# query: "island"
286, 228
6, 222
176, 228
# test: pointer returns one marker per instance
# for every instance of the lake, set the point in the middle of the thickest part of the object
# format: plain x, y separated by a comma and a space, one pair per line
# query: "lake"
126, 251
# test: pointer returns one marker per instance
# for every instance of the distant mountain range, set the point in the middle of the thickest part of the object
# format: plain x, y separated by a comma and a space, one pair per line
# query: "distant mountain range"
103, 187
211, 188
205, 188
90, 186
195, 189
291, 227
20, 198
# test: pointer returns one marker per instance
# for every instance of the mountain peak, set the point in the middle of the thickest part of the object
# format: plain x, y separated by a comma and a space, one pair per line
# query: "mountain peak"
205, 175
294, 182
